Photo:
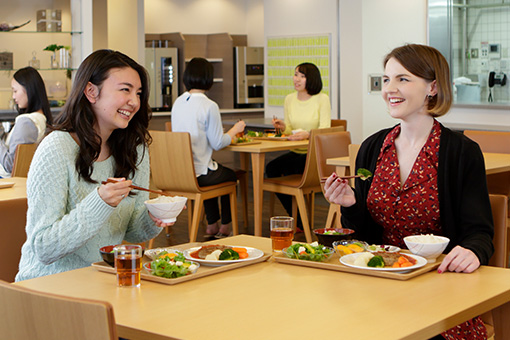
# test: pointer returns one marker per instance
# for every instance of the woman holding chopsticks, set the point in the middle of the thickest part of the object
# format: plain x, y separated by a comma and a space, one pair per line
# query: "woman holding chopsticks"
100, 134
306, 109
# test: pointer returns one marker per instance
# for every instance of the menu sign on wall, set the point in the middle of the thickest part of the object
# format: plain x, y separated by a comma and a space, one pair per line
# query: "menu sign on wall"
285, 53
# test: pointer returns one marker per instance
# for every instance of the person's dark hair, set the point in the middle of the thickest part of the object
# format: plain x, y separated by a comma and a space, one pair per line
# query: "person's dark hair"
31, 80
427, 63
313, 77
199, 74
77, 116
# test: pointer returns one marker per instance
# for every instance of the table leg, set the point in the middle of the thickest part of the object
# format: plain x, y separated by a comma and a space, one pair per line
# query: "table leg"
257, 166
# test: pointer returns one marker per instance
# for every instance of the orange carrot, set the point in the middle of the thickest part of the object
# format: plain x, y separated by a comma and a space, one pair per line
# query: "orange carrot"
239, 250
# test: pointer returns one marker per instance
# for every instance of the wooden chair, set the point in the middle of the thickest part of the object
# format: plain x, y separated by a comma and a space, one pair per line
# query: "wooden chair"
173, 172
168, 126
330, 145
22, 159
28, 314
303, 185
499, 206
494, 142
12, 235
339, 122
353, 153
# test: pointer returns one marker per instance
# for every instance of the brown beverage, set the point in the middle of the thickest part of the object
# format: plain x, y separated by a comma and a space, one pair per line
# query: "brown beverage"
129, 267
282, 238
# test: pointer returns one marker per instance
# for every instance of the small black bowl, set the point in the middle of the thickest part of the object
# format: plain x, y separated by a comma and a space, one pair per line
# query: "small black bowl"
327, 240
108, 255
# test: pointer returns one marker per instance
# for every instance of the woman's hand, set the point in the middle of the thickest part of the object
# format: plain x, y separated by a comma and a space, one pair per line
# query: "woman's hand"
278, 124
460, 260
114, 193
237, 128
160, 223
337, 190
301, 135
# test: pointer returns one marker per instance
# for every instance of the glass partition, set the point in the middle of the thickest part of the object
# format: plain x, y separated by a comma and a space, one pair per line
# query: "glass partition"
474, 35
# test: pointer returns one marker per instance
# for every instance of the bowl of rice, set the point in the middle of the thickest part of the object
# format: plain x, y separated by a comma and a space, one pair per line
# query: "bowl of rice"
428, 246
166, 208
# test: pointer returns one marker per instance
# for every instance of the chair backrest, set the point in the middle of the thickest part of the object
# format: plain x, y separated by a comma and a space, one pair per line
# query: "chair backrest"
490, 141
168, 126
311, 173
28, 314
499, 205
12, 236
22, 159
353, 153
330, 145
339, 122
172, 166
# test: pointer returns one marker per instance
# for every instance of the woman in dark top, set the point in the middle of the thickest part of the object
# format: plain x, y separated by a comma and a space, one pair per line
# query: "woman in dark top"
426, 179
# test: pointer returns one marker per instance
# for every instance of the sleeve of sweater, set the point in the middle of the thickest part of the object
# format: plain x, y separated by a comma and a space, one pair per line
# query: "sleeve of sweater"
324, 111
215, 136
23, 132
55, 230
141, 227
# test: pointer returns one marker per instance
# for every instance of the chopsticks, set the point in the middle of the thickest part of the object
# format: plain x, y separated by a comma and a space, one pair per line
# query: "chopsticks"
276, 130
109, 180
324, 179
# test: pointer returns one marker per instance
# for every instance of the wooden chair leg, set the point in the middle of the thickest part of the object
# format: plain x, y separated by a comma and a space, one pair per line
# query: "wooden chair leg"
243, 185
199, 206
233, 210
151, 243
311, 210
295, 213
304, 218
333, 219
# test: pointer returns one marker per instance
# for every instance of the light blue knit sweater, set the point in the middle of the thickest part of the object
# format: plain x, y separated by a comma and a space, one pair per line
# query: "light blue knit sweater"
67, 221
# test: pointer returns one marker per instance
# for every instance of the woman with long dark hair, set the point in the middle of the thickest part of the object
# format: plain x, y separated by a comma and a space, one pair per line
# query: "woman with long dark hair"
100, 134
29, 95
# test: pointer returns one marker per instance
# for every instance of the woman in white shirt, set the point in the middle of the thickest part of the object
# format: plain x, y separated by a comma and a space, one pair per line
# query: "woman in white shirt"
193, 112
29, 95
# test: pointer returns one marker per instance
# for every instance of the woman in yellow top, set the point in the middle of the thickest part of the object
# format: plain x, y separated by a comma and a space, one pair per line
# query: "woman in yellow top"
305, 109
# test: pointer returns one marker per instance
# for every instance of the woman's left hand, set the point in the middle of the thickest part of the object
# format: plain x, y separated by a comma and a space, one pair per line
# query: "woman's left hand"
301, 135
460, 260
160, 223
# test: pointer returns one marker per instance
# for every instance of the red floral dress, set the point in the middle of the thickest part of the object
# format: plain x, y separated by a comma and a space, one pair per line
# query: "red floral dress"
414, 207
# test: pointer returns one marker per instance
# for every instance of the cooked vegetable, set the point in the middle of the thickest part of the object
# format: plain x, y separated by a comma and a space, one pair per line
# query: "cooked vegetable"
363, 174
228, 254
376, 261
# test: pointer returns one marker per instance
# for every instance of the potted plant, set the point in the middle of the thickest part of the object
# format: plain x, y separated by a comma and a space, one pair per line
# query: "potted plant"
54, 48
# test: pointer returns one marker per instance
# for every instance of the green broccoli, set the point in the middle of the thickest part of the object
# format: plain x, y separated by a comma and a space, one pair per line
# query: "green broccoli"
364, 174
376, 261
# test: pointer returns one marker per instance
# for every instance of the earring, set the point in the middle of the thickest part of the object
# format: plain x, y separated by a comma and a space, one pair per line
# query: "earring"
429, 96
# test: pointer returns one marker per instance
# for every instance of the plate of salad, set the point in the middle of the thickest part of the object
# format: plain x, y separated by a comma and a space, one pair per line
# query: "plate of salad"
219, 255
308, 252
171, 267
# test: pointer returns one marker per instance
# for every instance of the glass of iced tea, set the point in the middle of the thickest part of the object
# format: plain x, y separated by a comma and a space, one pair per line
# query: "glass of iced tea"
128, 263
282, 232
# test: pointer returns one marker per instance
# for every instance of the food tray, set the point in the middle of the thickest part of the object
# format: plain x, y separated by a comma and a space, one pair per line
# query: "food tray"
4, 185
334, 264
270, 138
245, 143
201, 272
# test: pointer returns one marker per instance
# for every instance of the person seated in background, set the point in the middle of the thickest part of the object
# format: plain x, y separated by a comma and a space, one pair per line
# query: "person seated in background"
427, 179
306, 109
29, 95
101, 133
193, 112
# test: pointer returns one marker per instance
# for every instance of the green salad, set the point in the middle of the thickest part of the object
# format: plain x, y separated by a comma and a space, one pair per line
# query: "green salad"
171, 267
309, 252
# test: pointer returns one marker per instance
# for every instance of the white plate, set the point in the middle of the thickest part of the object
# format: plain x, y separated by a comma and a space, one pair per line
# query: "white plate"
253, 254
349, 259
389, 249
152, 253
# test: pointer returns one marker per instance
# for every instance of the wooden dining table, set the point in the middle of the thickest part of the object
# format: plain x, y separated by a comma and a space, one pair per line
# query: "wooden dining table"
13, 212
258, 155
494, 163
272, 300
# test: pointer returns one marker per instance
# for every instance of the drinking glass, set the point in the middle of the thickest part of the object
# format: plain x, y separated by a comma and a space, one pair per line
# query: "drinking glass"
282, 232
128, 263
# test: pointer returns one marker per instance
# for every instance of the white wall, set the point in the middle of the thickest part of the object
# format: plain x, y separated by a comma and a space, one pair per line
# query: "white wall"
210, 16
303, 17
125, 22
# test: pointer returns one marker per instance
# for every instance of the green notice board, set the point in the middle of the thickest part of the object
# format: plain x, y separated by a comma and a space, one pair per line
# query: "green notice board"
285, 53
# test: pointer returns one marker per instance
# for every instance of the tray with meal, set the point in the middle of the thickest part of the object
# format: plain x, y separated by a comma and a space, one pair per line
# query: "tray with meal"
267, 135
176, 265
360, 258
243, 140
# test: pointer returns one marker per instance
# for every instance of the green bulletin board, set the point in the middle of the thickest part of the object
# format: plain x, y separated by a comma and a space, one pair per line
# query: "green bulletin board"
285, 53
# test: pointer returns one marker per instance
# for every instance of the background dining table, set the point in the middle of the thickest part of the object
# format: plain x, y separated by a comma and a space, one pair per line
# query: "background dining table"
258, 155
13, 213
272, 300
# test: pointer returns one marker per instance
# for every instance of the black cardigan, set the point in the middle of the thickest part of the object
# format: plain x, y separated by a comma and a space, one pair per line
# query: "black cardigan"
465, 211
